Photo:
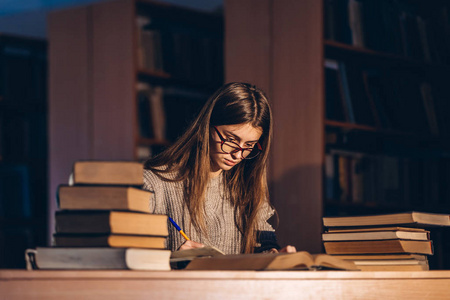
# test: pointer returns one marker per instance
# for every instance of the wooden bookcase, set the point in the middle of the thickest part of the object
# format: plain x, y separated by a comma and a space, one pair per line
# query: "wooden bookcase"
287, 59
404, 138
99, 57
23, 147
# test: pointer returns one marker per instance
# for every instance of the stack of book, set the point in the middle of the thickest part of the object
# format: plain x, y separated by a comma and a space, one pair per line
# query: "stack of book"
388, 242
104, 222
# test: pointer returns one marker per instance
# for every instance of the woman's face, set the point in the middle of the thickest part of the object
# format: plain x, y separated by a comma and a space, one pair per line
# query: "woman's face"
245, 135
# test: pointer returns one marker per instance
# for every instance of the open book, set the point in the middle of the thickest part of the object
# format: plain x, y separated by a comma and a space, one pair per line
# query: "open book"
190, 254
271, 261
181, 258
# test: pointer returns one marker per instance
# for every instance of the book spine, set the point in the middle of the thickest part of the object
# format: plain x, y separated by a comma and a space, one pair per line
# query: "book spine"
346, 92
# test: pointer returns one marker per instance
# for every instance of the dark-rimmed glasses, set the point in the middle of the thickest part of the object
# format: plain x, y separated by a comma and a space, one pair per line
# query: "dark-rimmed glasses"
232, 148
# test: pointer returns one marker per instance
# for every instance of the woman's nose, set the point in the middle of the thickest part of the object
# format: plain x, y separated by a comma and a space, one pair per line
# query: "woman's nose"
237, 154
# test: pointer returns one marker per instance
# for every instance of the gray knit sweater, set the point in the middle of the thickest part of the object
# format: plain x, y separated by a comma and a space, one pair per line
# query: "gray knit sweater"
222, 231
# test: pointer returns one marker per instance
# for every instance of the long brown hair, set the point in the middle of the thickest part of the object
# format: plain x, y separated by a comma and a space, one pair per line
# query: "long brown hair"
189, 157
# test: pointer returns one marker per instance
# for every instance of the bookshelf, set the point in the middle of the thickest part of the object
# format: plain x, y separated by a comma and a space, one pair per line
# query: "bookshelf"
408, 97
23, 147
126, 77
296, 42
401, 163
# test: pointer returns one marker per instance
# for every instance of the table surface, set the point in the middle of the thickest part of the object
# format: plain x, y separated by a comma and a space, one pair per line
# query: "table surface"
124, 284
6, 274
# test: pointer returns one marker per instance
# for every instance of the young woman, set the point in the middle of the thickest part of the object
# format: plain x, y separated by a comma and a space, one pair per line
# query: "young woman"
212, 181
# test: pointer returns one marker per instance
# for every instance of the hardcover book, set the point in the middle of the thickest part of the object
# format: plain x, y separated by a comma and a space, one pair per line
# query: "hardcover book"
56, 258
388, 262
419, 218
109, 240
104, 197
418, 267
108, 173
378, 247
118, 222
379, 234
399, 256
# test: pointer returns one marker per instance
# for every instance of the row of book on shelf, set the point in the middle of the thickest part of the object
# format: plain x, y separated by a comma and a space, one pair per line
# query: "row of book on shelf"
163, 112
394, 26
105, 221
151, 112
15, 192
176, 51
397, 100
370, 179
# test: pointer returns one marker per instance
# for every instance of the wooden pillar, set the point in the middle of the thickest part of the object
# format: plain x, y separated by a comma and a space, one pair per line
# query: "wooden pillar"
92, 94
291, 68
69, 102
248, 42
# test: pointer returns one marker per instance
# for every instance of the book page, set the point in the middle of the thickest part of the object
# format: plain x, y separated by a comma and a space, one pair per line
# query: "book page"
190, 254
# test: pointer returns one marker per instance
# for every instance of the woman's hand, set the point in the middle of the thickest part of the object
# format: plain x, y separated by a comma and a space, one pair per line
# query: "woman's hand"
190, 245
287, 249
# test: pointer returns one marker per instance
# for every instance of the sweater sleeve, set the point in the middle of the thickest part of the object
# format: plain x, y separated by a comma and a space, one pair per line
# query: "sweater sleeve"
266, 237
264, 215
266, 240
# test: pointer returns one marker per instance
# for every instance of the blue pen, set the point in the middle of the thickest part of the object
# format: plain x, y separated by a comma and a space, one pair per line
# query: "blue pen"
178, 228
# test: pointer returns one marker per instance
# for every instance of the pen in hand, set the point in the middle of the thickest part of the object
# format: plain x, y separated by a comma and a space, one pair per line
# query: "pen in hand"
179, 229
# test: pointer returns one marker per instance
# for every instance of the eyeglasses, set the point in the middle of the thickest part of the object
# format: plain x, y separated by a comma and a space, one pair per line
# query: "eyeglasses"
231, 147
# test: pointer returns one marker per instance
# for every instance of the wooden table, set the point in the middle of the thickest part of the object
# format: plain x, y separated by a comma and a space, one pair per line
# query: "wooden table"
134, 285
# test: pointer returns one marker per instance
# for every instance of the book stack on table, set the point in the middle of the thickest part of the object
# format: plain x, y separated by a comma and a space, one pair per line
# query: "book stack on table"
105, 222
388, 242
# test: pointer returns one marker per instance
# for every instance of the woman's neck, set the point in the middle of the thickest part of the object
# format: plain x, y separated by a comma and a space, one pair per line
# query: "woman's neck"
214, 174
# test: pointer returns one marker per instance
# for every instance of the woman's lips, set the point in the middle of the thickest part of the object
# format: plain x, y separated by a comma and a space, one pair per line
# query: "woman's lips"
229, 162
